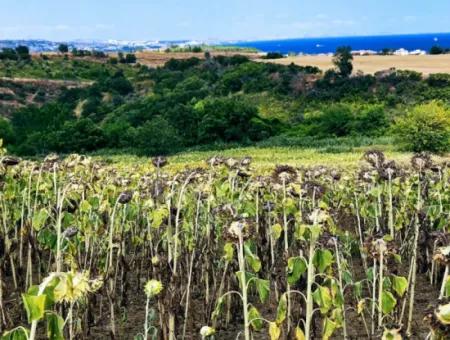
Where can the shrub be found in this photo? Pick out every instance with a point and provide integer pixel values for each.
(273, 55)
(425, 128)
(6, 131)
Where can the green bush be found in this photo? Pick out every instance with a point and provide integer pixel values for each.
(425, 128)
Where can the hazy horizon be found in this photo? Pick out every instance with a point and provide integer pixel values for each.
(218, 21)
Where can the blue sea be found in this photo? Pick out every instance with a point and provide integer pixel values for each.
(409, 42)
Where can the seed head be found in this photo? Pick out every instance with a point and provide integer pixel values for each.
(153, 288)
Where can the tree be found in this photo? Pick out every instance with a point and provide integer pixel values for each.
(425, 128)
(79, 135)
(130, 58)
(63, 48)
(23, 52)
(436, 50)
(229, 120)
(343, 60)
(157, 136)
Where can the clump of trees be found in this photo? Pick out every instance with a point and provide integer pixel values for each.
(63, 48)
(436, 49)
(19, 53)
(129, 58)
(273, 55)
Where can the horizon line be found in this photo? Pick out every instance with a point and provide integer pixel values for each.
(223, 40)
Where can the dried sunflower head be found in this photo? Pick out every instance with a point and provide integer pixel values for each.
(313, 189)
(10, 161)
(215, 161)
(231, 163)
(74, 286)
(335, 175)
(159, 161)
(284, 174)
(240, 229)
(421, 161)
(389, 170)
(442, 255)
(153, 288)
(125, 197)
(374, 158)
(246, 161)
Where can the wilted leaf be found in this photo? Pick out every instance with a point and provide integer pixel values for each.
(388, 302)
(39, 219)
(263, 288)
(400, 285)
(218, 308)
(85, 206)
(296, 267)
(35, 306)
(361, 306)
(276, 231)
(274, 331)
(55, 327)
(281, 309)
(322, 297)
(323, 259)
(329, 326)
(229, 251)
(252, 259)
(255, 319)
(158, 216)
(19, 333)
(299, 335)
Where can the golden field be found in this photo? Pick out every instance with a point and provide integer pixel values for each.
(425, 64)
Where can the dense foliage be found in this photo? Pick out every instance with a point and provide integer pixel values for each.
(425, 127)
(194, 102)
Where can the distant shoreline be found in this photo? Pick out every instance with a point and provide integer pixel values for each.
(308, 45)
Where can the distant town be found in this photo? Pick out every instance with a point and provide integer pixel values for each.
(38, 46)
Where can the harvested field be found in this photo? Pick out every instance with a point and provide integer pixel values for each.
(425, 64)
(155, 59)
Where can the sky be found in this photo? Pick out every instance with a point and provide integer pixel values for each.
(217, 20)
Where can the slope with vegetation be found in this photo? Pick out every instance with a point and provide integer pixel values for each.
(218, 101)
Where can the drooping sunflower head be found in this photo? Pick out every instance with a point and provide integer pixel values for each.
(159, 161)
(442, 255)
(74, 286)
(374, 158)
(389, 170)
(284, 174)
(10, 161)
(125, 197)
(239, 229)
(215, 161)
(246, 161)
(421, 161)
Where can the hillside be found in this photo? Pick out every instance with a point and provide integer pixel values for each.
(198, 101)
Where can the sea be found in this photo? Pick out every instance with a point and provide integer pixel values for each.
(409, 42)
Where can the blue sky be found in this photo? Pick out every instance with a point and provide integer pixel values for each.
(218, 19)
